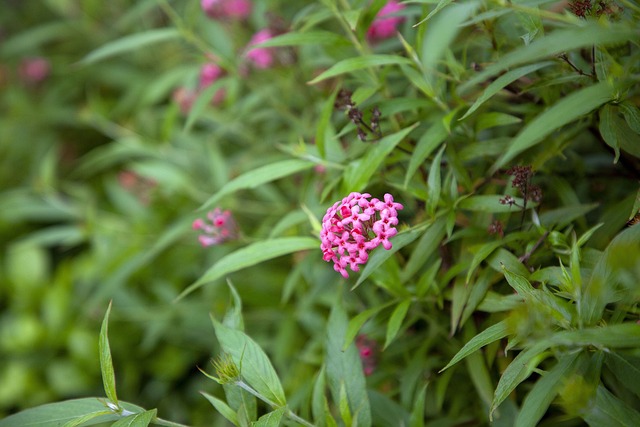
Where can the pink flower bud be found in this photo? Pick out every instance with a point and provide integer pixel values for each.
(384, 26)
(261, 57)
(34, 70)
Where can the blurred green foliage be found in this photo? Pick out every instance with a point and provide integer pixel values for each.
(111, 146)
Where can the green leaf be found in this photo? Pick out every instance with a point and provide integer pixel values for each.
(222, 407)
(142, 419)
(489, 335)
(434, 184)
(418, 414)
(318, 399)
(106, 363)
(355, 324)
(233, 318)
(129, 43)
(631, 114)
(272, 419)
(378, 257)
(259, 176)
(626, 369)
(324, 121)
(491, 203)
(395, 321)
(441, 5)
(554, 44)
(428, 243)
(543, 392)
(256, 368)
(250, 255)
(344, 367)
(343, 405)
(608, 127)
(623, 335)
(359, 63)
(429, 141)
(517, 371)
(359, 172)
(608, 410)
(60, 413)
(493, 119)
(502, 82)
(309, 38)
(561, 113)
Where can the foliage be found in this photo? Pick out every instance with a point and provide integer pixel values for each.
(508, 132)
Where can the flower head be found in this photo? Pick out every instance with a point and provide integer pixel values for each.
(221, 227)
(209, 74)
(356, 225)
(384, 26)
(261, 57)
(234, 9)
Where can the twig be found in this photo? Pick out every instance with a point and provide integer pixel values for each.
(524, 258)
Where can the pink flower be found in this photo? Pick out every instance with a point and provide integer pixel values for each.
(234, 9)
(356, 225)
(184, 98)
(384, 26)
(221, 227)
(261, 57)
(209, 74)
(367, 349)
(34, 70)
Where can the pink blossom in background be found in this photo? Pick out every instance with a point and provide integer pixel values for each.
(184, 98)
(384, 26)
(235, 9)
(220, 228)
(209, 74)
(34, 70)
(367, 350)
(261, 57)
(140, 186)
(355, 226)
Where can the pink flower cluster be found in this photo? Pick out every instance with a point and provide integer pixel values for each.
(367, 349)
(261, 57)
(34, 70)
(356, 225)
(220, 9)
(384, 26)
(221, 228)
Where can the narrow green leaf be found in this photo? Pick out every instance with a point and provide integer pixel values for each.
(271, 419)
(631, 115)
(482, 251)
(626, 369)
(324, 121)
(494, 119)
(479, 374)
(428, 142)
(309, 38)
(256, 368)
(129, 43)
(142, 419)
(343, 405)
(88, 418)
(428, 243)
(106, 363)
(395, 321)
(417, 413)
(608, 410)
(250, 255)
(355, 324)
(233, 318)
(318, 399)
(608, 128)
(623, 335)
(502, 82)
(65, 411)
(343, 367)
(378, 257)
(543, 392)
(517, 371)
(359, 63)
(259, 176)
(359, 172)
(223, 408)
(491, 203)
(434, 184)
(554, 44)
(441, 5)
(489, 335)
(202, 101)
(561, 113)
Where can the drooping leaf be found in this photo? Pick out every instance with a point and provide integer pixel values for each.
(255, 367)
(489, 335)
(429, 141)
(222, 407)
(259, 176)
(359, 63)
(252, 254)
(130, 43)
(395, 321)
(434, 184)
